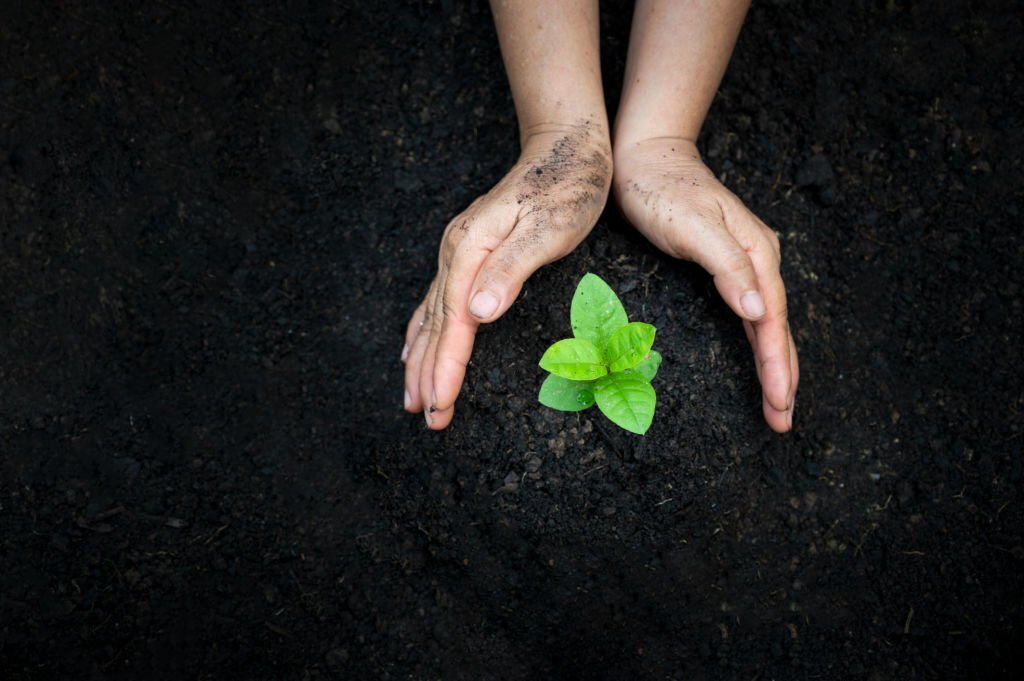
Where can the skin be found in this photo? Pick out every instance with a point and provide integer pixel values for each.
(539, 212)
(678, 52)
(551, 199)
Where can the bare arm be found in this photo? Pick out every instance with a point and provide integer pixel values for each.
(551, 55)
(678, 53)
(546, 204)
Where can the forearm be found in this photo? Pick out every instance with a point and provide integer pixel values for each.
(678, 52)
(551, 55)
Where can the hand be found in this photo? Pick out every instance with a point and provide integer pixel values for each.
(539, 212)
(668, 193)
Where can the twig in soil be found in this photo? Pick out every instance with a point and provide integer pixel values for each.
(216, 533)
(109, 513)
(1004, 549)
(213, 535)
(608, 439)
(831, 527)
(278, 630)
(166, 520)
(302, 592)
(863, 537)
(906, 625)
(594, 469)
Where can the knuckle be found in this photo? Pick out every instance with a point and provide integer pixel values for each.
(504, 265)
(450, 311)
(453, 358)
(455, 234)
(559, 220)
(527, 246)
(454, 256)
(431, 323)
(446, 254)
(738, 264)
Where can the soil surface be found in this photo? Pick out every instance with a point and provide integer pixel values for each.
(215, 223)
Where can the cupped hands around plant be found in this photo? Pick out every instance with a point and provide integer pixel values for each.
(539, 212)
(666, 191)
(608, 361)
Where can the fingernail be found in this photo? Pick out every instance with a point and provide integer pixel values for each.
(433, 401)
(483, 305)
(405, 352)
(752, 304)
(792, 408)
(408, 399)
(427, 417)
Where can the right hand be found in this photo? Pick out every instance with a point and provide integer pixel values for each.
(539, 212)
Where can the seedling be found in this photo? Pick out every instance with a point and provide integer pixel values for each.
(609, 361)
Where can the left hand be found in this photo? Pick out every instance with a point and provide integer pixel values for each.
(666, 191)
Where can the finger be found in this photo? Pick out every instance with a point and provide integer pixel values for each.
(779, 420)
(794, 378)
(773, 361)
(710, 243)
(776, 419)
(794, 369)
(426, 377)
(417, 350)
(450, 331)
(771, 331)
(503, 273)
(439, 419)
(458, 330)
(412, 329)
(773, 344)
(458, 327)
(435, 419)
(748, 327)
(768, 360)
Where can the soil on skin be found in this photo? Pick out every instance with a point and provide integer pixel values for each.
(215, 222)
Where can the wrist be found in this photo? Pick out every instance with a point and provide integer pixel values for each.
(583, 134)
(627, 147)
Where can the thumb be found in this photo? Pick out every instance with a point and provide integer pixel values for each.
(714, 248)
(736, 282)
(503, 273)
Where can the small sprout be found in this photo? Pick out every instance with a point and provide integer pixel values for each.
(608, 362)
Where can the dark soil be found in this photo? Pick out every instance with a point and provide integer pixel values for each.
(215, 223)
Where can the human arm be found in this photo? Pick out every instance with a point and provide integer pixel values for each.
(677, 56)
(541, 210)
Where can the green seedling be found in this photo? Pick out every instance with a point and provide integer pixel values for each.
(608, 361)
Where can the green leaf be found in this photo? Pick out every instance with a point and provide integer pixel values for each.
(565, 395)
(628, 345)
(648, 368)
(627, 399)
(596, 311)
(574, 358)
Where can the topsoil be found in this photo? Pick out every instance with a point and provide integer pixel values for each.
(215, 222)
